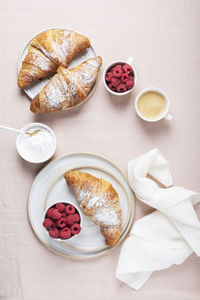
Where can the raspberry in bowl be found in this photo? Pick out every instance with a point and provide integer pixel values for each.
(63, 221)
(120, 77)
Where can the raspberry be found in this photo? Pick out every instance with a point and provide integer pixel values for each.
(54, 233)
(76, 218)
(61, 222)
(69, 219)
(69, 209)
(127, 68)
(49, 212)
(75, 228)
(64, 214)
(108, 76)
(60, 207)
(111, 87)
(118, 67)
(117, 72)
(129, 84)
(115, 82)
(112, 69)
(47, 223)
(65, 233)
(56, 214)
(124, 77)
(54, 224)
(121, 88)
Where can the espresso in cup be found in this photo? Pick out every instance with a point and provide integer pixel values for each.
(152, 104)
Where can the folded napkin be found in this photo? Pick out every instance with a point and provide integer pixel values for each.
(168, 235)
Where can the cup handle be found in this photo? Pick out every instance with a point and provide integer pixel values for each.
(168, 117)
(130, 60)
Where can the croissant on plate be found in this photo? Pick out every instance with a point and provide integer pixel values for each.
(49, 50)
(99, 201)
(67, 88)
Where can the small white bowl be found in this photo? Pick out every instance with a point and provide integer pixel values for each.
(129, 61)
(27, 156)
(81, 221)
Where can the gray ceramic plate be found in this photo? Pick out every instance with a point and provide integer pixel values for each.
(50, 187)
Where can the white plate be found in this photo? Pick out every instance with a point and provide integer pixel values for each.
(50, 187)
(33, 89)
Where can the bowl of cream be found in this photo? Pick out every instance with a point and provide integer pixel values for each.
(37, 148)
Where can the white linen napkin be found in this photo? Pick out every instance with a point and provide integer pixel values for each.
(168, 235)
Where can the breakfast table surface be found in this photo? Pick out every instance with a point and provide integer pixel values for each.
(163, 38)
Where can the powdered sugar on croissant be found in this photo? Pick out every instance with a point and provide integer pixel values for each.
(49, 50)
(67, 88)
(99, 201)
(60, 45)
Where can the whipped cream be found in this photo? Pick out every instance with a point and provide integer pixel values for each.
(37, 148)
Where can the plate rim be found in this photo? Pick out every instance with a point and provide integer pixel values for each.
(20, 63)
(126, 230)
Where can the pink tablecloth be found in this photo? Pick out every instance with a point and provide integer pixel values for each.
(163, 37)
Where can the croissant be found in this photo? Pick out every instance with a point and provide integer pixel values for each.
(67, 88)
(99, 201)
(49, 50)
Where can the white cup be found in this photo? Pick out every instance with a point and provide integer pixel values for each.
(164, 115)
(128, 61)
